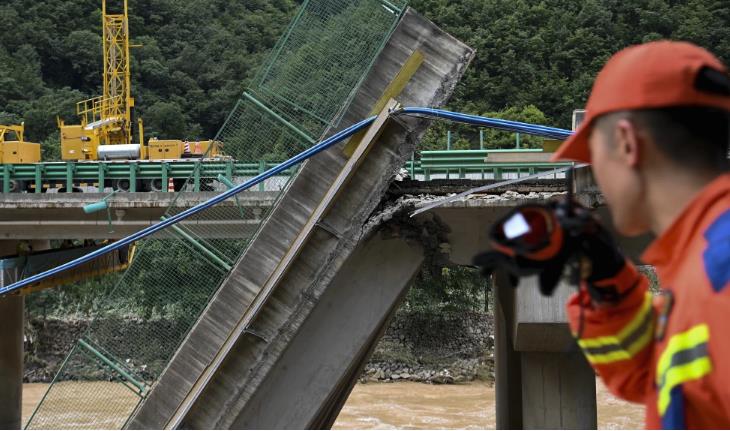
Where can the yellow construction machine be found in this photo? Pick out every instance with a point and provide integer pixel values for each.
(105, 129)
(14, 149)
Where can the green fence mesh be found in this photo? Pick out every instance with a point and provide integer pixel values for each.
(300, 93)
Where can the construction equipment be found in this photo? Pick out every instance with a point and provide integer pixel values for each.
(16, 150)
(105, 129)
(107, 119)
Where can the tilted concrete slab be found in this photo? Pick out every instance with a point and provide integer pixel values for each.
(314, 375)
(230, 362)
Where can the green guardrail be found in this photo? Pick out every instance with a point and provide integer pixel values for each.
(462, 163)
(453, 164)
(71, 174)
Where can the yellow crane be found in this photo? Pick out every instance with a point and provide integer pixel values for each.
(105, 131)
(106, 120)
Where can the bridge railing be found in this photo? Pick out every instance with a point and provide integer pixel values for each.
(212, 175)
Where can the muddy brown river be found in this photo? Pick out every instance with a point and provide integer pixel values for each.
(408, 405)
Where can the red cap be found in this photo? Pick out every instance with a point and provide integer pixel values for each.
(653, 75)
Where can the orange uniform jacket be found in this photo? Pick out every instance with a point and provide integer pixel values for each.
(670, 352)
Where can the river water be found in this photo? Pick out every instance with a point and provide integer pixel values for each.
(407, 405)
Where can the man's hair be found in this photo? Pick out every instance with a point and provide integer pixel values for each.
(695, 137)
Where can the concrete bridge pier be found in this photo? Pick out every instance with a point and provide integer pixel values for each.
(12, 310)
(543, 381)
(11, 361)
(12, 319)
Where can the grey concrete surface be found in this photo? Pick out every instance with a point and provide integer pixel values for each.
(314, 370)
(12, 310)
(558, 391)
(11, 361)
(234, 349)
(507, 361)
(61, 216)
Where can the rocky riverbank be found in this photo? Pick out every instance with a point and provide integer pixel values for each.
(460, 371)
(438, 348)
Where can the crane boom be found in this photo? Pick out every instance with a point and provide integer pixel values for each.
(106, 119)
(117, 101)
(105, 129)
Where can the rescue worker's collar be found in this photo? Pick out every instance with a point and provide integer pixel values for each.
(673, 242)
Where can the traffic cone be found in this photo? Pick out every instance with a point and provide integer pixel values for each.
(170, 185)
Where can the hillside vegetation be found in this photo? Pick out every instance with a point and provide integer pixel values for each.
(535, 59)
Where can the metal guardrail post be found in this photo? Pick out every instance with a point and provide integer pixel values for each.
(101, 178)
(262, 169)
(70, 177)
(165, 177)
(196, 177)
(38, 178)
(133, 177)
(229, 169)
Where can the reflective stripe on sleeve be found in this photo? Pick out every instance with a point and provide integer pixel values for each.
(685, 358)
(624, 345)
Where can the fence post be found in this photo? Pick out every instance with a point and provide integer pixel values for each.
(69, 177)
(38, 178)
(165, 178)
(262, 169)
(133, 177)
(196, 177)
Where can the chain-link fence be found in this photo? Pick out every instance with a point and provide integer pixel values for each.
(299, 94)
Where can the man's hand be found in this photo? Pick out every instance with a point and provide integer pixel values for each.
(542, 239)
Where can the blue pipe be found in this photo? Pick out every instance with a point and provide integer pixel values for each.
(334, 139)
(510, 126)
(493, 123)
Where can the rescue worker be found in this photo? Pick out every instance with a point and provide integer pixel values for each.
(656, 134)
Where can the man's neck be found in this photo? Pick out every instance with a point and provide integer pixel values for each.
(670, 192)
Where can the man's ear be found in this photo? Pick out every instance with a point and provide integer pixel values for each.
(627, 142)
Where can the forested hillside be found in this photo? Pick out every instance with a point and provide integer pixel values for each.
(535, 60)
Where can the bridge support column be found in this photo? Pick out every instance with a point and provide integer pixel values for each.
(11, 362)
(11, 347)
(542, 379)
(12, 318)
(508, 377)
